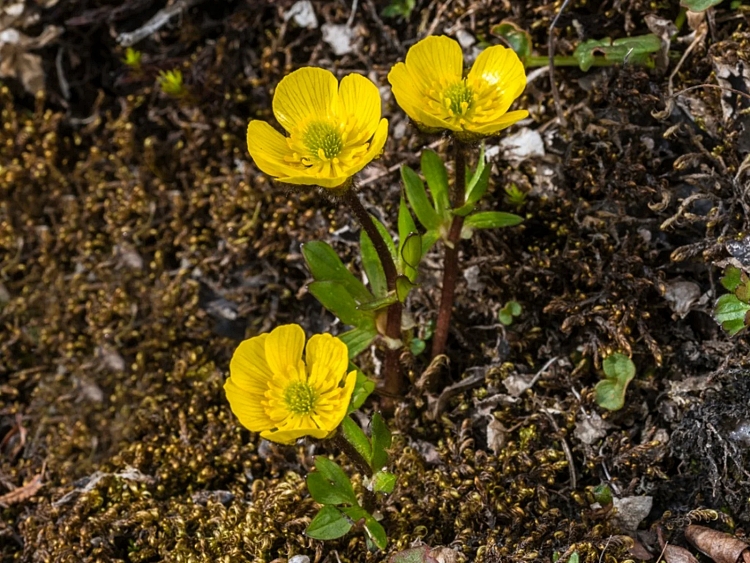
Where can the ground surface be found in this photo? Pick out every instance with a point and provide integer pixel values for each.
(138, 244)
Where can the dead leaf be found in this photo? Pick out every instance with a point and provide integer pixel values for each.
(15, 60)
(721, 547)
(675, 554)
(23, 493)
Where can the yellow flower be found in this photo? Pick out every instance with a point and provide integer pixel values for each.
(334, 131)
(430, 87)
(274, 392)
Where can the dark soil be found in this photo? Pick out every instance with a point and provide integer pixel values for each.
(139, 244)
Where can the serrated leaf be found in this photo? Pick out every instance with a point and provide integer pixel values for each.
(383, 482)
(492, 220)
(417, 196)
(403, 286)
(436, 176)
(336, 477)
(372, 266)
(359, 339)
(731, 313)
(336, 299)
(363, 387)
(329, 523)
(325, 265)
(357, 438)
(381, 441)
(517, 39)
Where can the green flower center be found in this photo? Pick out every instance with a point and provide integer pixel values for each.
(323, 139)
(458, 97)
(300, 398)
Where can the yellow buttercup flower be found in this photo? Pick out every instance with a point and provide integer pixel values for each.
(430, 87)
(274, 392)
(334, 131)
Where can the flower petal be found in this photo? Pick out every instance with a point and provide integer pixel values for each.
(284, 347)
(434, 59)
(247, 407)
(289, 436)
(411, 97)
(500, 68)
(248, 368)
(327, 358)
(305, 93)
(361, 103)
(502, 123)
(268, 148)
(376, 144)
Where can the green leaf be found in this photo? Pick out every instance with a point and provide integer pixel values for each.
(363, 387)
(411, 254)
(326, 265)
(328, 524)
(383, 482)
(381, 441)
(359, 339)
(436, 175)
(372, 266)
(603, 495)
(403, 286)
(407, 230)
(417, 196)
(514, 307)
(336, 299)
(477, 185)
(336, 477)
(386, 238)
(731, 313)
(732, 278)
(699, 5)
(505, 317)
(492, 220)
(378, 304)
(357, 438)
(374, 530)
(517, 39)
(631, 49)
(429, 239)
(610, 392)
(323, 492)
(417, 346)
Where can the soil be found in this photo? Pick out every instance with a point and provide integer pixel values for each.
(139, 244)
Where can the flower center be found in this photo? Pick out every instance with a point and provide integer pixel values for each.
(458, 97)
(300, 397)
(323, 139)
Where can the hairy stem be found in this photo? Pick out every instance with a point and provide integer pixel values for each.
(393, 382)
(450, 261)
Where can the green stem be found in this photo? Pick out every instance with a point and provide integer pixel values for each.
(393, 382)
(450, 262)
(561, 60)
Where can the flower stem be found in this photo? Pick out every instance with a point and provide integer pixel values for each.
(393, 382)
(450, 261)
